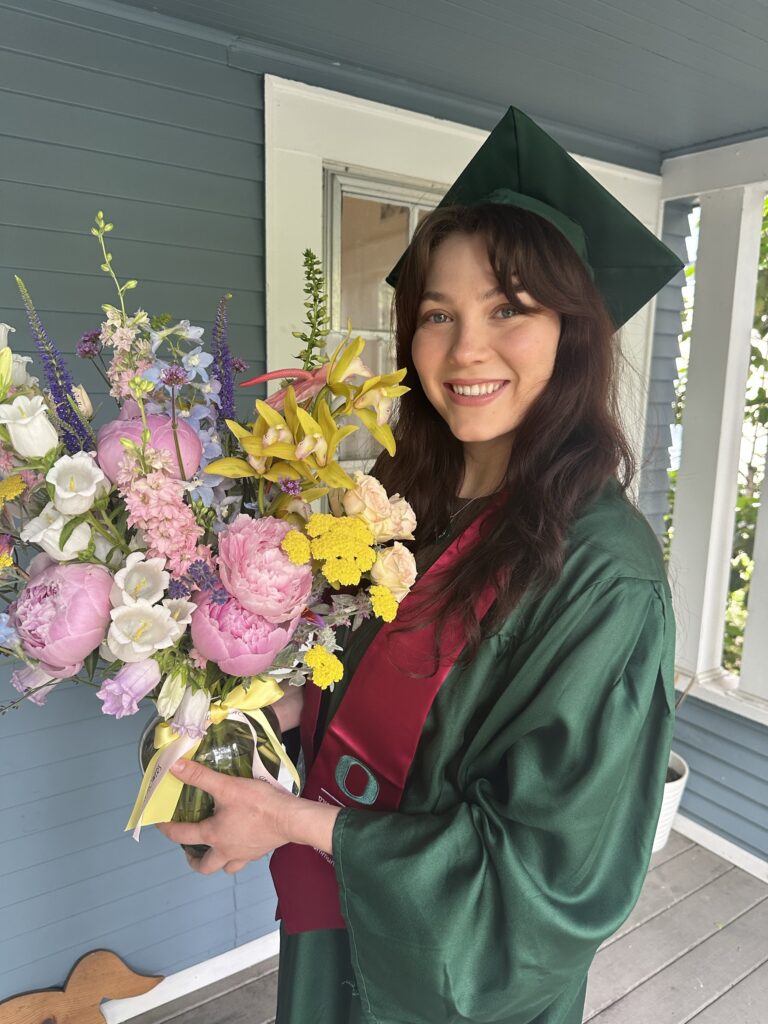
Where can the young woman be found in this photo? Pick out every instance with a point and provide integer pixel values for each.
(483, 786)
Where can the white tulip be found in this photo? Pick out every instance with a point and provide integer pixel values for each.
(77, 482)
(138, 630)
(170, 695)
(45, 531)
(32, 433)
(140, 579)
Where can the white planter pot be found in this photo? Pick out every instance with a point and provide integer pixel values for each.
(673, 793)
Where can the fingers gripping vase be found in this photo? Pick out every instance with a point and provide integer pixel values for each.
(226, 747)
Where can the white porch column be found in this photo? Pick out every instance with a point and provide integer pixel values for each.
(754, 658)
(726, 277)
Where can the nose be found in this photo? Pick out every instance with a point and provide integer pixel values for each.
(468, 344)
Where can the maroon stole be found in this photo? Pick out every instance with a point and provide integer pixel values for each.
(367, 751)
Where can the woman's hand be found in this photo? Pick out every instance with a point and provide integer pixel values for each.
(251, 819)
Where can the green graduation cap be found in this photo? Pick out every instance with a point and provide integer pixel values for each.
(520, 165)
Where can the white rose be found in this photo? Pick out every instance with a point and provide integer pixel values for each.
(32, 433)
(369, 501)
(140, 579)
(395, 568)
(45, 531)
(403, 519)
(170, 695)
(77, 482)
(138, 630)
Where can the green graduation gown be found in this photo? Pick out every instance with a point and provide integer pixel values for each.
(526, 824)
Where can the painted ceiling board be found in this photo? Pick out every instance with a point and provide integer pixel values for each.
(666, 75)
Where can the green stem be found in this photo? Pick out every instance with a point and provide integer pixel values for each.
(261, 495)
(111, 535)
(176, 436)
(112, 275)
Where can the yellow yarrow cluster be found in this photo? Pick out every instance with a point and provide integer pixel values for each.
(383, 602)
(296, 546)
(11, 488)
(344, 545)
(326, 667)
(5, 561)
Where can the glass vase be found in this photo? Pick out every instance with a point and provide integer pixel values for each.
(226, 747)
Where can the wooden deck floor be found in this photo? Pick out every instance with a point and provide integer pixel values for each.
(694, 951)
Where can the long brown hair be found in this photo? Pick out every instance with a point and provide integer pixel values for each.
(567, 446)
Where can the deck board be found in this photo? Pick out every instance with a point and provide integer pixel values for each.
(693, 951)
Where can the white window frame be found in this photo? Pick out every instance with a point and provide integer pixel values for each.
(343, 180)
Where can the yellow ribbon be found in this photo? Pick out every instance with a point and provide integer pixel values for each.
(160, 791)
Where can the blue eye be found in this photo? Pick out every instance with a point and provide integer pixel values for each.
(433, 318)
(507, 312)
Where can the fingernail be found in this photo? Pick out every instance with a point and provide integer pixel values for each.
(179, 767)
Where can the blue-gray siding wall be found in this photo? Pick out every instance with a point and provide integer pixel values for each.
(654, 482)
(158, 131)
(728, 787)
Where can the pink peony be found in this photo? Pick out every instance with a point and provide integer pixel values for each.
(62, 615)
(110, 452)
(122, 693)
(255, 569)
(240, 642)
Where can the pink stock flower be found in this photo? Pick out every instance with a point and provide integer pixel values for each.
(62, 615)
(110, 452)
(255, 569)
(240, 642)
(156, 506)
(32, 682)
(122, 693)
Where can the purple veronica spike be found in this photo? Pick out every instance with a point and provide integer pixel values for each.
(77, 435)
(223, 369)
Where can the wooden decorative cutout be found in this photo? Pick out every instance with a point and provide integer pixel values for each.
(98, 975)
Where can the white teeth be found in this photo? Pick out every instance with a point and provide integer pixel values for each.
(475, 389)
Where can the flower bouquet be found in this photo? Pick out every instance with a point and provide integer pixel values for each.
(173, 553)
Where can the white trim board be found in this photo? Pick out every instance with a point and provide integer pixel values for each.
(306, 127)
(722, 847)
(193, 978)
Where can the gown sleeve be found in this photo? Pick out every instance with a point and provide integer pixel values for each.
(492, 909)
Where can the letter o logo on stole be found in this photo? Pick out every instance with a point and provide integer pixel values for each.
(343, 768)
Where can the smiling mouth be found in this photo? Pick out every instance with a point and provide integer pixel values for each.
(476, 389)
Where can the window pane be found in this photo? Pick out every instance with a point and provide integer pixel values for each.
(373, 237)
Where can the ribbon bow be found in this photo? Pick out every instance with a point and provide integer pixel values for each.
(160, 791)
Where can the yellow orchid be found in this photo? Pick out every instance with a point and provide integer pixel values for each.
(372, 404)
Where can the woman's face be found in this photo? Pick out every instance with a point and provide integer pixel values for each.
(480, 362)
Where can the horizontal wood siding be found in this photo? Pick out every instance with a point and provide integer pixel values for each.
(654, 482)
(728, 789)
(154, 128)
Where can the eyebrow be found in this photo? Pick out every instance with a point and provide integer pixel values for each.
(441, 297)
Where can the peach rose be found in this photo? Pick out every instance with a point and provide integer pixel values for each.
(395, 568)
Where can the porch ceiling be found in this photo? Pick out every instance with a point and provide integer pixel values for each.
(659, 77)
